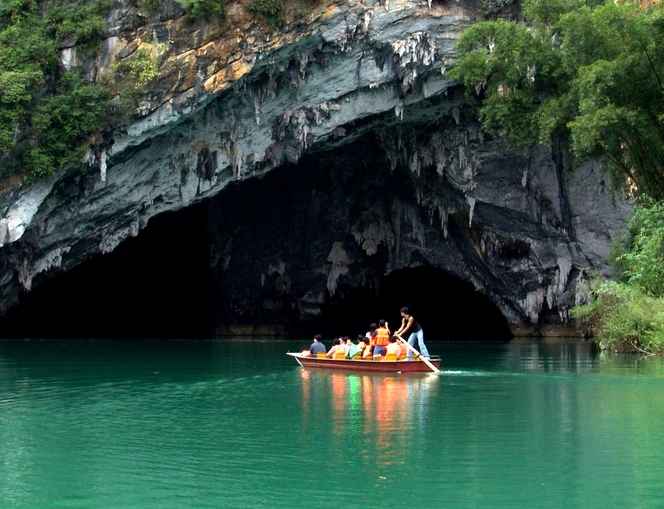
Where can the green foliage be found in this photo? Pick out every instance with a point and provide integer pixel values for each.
(47, 114)
(629, 314)
(273, 11)
(139, 70)
(639, 257)
(624, 319)
(153, 5)
(195, 9)
(489, 6)
(65, 120)
(79, 21)
(581, 71)
(204, 9)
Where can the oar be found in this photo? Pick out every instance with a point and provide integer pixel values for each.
(426, 361)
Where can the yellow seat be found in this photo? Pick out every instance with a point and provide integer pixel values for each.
(339, 355)
(321, 355)
(391, 357)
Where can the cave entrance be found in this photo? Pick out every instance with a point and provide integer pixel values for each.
(448, 308)
(156, 285)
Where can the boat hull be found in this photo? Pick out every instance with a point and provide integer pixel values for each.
(365, 366)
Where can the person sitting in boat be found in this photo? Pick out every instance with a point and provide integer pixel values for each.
(393, 350)
(382, 339)
(346, 342)
(372, 335)
(317, 346)
(337, 348)
(366, 350)
(353, 349)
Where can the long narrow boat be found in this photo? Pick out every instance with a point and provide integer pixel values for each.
(367, 366)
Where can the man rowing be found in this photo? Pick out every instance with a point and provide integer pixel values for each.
(410, 325)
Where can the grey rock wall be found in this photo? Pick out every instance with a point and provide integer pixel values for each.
(523, 234)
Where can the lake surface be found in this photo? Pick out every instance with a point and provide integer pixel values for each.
(213, 424)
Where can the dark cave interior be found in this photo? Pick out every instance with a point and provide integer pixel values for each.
(447, 308)
(160, 285)
(157, 285)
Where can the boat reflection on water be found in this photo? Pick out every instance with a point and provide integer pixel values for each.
(381, 413)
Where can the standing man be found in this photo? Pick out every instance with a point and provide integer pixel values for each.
(410, 325)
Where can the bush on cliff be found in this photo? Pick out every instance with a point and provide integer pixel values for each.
(195, 9)
(273, 11)
(47, 113)
(628, 314)
(623, 318)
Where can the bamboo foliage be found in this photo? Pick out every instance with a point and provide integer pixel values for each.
(585, 72)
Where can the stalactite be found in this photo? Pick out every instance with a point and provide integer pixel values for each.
(340, 261)
(471, 210)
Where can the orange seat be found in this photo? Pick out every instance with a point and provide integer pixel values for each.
(339, 355)
(321, 355)
(390, 357)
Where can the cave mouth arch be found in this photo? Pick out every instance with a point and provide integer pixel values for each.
(448, 308)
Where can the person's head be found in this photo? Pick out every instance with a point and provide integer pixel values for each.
(360, 338)
(404, 311)
(366, 340)
(347, 340)
(372, 326)
(318, 337)
(336, 342)
(381, 323)
(393, 339)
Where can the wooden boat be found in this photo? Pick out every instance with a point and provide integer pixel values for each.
(366, 366)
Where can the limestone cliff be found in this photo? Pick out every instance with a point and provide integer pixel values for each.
(235, 100)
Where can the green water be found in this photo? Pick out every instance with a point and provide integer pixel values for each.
(198, 424)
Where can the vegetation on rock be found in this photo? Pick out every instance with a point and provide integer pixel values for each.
(195, 9)
(46, 111)
(628, 314)
(204, 9)
(586, 75)
(273, 11)
(51, 111)
(587, 78)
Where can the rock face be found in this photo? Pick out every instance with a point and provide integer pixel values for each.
(359, 92)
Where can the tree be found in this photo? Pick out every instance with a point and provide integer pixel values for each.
(585, 75)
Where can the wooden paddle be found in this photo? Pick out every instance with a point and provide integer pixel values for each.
(426, 361)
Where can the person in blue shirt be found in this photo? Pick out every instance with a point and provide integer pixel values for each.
(317, 346)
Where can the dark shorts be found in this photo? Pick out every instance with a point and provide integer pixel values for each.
(379, 350)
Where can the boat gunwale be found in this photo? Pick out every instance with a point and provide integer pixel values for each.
(365, 365)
